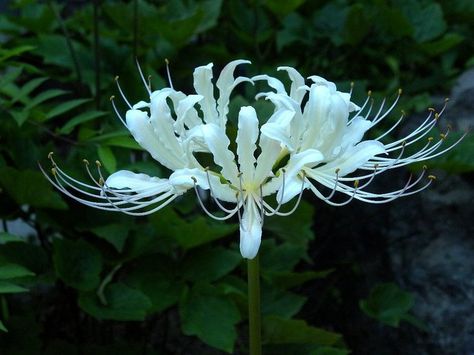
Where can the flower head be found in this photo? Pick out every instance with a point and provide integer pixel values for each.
(313, 140)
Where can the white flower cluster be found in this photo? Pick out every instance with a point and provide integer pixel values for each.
(313, 140)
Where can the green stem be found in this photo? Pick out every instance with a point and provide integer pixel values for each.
(253, 271)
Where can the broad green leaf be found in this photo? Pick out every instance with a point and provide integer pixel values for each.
(189, 233)
(28, 187)
(116, 234)
(288, 279)
(426, 18)
(11, 271)
(158, 280)
(33, 257)
(79, 119)
(77, 263)
(276, 330)
(445, 43)
(210, 317)
(27, 89)
(281, 303)
(123, 142)
(283, 8)
(107, 157)
(65, 107)
(123, 304)
(281, 257)
(387, 303)
(209, 264)
(8, 287)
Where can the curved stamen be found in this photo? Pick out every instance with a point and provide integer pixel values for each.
(275, 211)
(121, 92)
(117, 112)
(142, 77)
(216, 200)
(168, 73)
(201, 203)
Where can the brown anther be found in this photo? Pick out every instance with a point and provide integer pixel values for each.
(50, 155)
(356, 184)
(194, 179)
(112, 98)
(239, 174)
(425, 167)
(99, 165)
(85, 161)
(432, 177)
(337, 171)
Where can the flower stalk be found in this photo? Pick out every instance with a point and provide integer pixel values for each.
(253, 277)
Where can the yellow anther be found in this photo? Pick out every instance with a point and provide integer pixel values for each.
(404, 113)
(54, 171)
(442, 136)
(85, 161)
(436, 115)
(369, 92)
(206, 168)
(99, 165)
(356, 184)
(352, 84)
(116, 78)
(167, 61)
(425, 167)
(50, 155)
(194, 179)
(432, 177)
(101, 182)
(446, 99)
(376, 166)
(450, 128)
(112, 98)
(430, 139)
(431, 109)
(400, 91)
(337, 171)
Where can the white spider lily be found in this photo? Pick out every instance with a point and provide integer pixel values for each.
(296, 147)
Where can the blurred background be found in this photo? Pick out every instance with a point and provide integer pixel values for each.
(361, 279)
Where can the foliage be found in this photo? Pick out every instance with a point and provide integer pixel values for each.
(176, 269)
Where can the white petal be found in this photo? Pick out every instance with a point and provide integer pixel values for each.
(272, 82)
(297, 82)
(270, 151)
(186, 114)
(226, 83)
(218, 144)
(124, 179)
(315, 114)
(143, 132)
(355, 131)
(250, 230)
(353, 158)
(182, 180)
(204, 86)
(247, 136)
(279, 128)
(318, 80)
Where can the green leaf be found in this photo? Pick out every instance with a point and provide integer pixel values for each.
(77, 263)
(426, 19)
(11, 271)
(107, 157)
(27, 89)
(65, 107)
(2, 327)
(116, 234)
(44, 96)
(209, 264)
(123, 304)
(210, 317)
(123, 142)
(284, 304)
(9, 238)
(288, 279)
(387, 303)
(8, 53)
(281, 257)
(444, 44)
(28, 187)
(8, 287)
(159, 281)
(283, 8)
(189, 233)
(276, 330)
(79, 119)
(357, 24)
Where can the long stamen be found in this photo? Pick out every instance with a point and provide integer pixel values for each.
(121, 92)
(201, 203)
(142, 77)
(168, 73)
(117, 112)
(216, 200)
